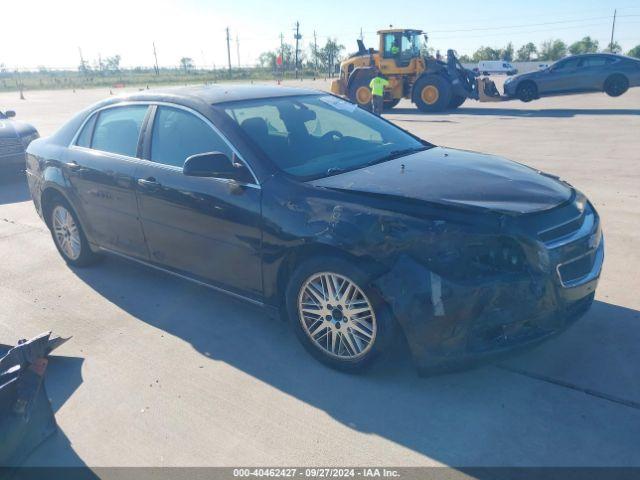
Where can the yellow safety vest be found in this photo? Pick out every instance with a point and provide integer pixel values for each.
(377, 86)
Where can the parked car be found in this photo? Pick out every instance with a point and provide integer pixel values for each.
(14, 138)
(305, 204)
(595, 72)
(488, 67)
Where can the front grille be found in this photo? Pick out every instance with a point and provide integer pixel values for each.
(558, 232)
(10, 146)
(576, 269)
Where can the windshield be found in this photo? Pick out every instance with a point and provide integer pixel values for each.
(315, 136)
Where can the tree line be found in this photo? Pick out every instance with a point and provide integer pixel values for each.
(316, 58)
(549, 50)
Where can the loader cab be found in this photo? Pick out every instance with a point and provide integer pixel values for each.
(399, 47)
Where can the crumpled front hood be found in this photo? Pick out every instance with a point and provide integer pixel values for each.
(459, 178)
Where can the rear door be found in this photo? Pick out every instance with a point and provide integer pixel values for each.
(101, 165)
(209, 228)
(595, 70)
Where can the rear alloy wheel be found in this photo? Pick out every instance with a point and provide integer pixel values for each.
(432, 93)
(69, 237)
(527, 91)
(616, 85)
(336, 315)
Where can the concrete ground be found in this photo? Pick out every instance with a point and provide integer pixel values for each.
(162, 372)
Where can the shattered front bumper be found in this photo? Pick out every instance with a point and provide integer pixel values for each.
(451, 324)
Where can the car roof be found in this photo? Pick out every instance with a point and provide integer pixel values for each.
(596, 54)
(213, 94)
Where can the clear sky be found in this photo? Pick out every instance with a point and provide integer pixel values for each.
(49, 32)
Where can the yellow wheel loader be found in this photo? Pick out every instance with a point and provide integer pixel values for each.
(433, 85)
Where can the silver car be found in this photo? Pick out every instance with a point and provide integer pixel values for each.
(591, 72)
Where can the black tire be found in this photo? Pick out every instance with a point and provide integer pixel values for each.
(432, 93)
(486, 74)
(389, 104)
(384, 323)
(616, 85)
(456, 101)
(356, 91)
(527, 91)
(86, 256)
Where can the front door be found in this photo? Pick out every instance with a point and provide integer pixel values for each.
(562, 77)
(209, 228)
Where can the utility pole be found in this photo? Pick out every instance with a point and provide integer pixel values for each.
(315, 52)
(155, 55)
(238, 50)
(297, 37)
(228, 52)
(282, 55)
(613, 28)
(83, 67)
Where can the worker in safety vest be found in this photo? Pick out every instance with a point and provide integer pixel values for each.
(377, 85)
(394, 49)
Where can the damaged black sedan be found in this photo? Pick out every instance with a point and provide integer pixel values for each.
(352, 228)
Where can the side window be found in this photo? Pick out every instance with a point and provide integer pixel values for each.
(178, 134)
(84, 139)
(117, 130)
(567, 65)
(595, 62)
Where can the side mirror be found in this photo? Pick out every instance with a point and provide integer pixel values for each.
(9, 114)
(215, 164)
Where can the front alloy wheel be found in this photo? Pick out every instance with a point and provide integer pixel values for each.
(337, 316)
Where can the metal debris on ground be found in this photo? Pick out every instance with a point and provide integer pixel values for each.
(26, 416)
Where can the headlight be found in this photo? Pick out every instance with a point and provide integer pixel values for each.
(483, 258)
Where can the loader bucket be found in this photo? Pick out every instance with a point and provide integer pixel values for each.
(487, 91)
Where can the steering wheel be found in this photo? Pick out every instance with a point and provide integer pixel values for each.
(332, 134)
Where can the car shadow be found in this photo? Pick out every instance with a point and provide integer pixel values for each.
(517, 112)
(13, 187)
(485, 416)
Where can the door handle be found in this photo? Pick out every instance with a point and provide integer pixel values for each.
(149, 182)
(72, 166)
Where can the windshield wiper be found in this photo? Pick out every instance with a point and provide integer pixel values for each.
(398, 153)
